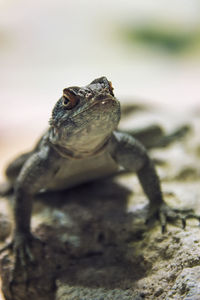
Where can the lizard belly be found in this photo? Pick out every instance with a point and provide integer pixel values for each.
(73, 172)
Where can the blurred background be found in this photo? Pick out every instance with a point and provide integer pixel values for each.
(149, 49)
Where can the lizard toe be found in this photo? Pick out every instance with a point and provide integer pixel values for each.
(166, 214)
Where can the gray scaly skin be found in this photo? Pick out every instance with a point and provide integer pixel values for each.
(81, 144)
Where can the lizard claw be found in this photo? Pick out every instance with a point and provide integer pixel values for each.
(21, 246)
(22, 249)
(165, 214)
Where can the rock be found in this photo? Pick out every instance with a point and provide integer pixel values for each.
(66, 292)
(187, 285)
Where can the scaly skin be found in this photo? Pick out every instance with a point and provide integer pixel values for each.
(81, 144)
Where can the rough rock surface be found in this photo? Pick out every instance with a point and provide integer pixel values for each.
(95, 244)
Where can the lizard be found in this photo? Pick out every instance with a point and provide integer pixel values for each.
(82, 144)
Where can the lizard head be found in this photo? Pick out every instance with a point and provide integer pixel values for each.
(84, 117)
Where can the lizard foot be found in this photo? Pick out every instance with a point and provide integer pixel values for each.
(21, 246)
(165, 213)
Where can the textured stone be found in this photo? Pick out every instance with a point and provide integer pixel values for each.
(187, 285)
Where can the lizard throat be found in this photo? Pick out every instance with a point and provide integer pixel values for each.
(72, 154)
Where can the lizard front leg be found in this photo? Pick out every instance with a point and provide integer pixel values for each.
(38, 170)
(131, 154)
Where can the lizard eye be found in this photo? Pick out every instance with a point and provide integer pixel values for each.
(69, 99)
(66, 101)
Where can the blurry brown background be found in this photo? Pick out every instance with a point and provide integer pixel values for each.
(149, 49)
